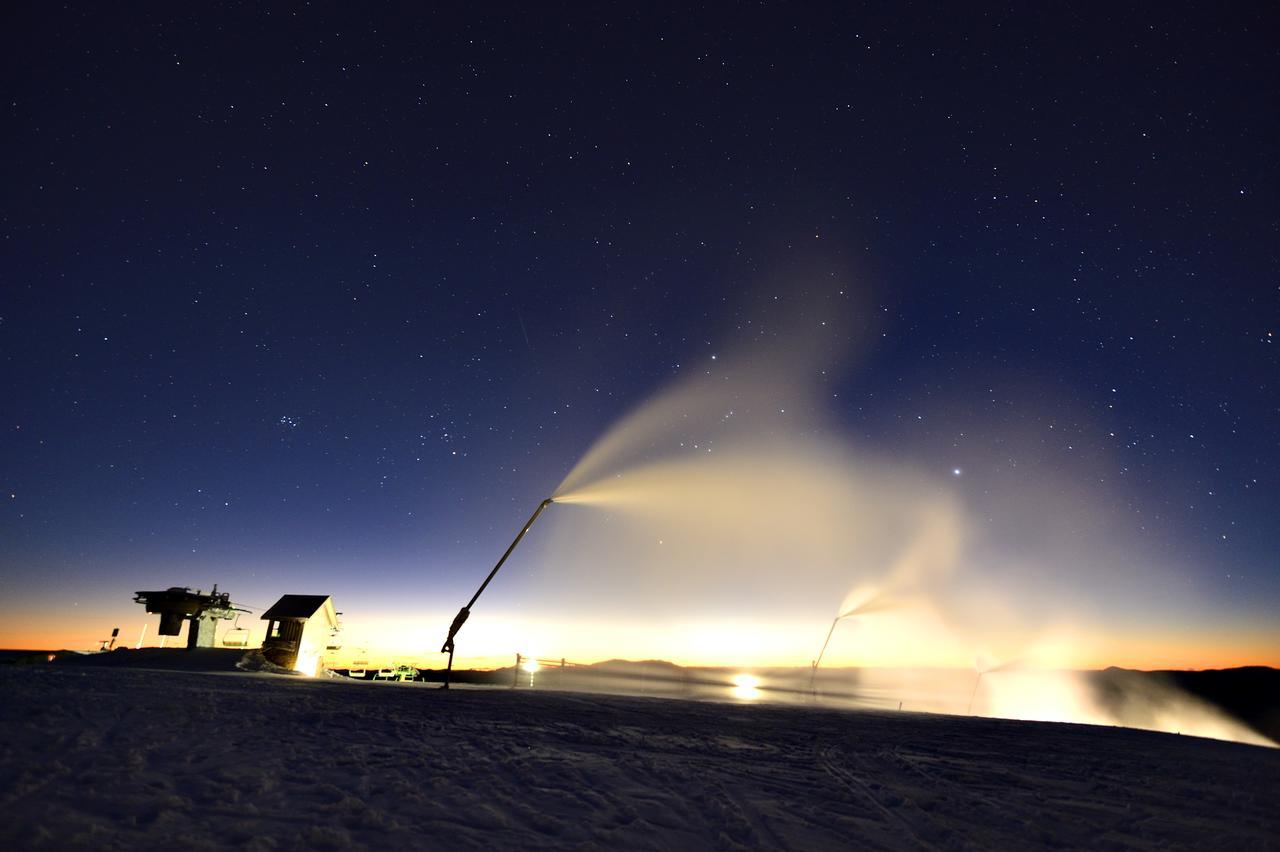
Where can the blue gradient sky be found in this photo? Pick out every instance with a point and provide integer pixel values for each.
(322, 300)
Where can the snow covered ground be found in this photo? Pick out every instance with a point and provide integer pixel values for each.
(124, 758)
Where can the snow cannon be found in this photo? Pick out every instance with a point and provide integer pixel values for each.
(461, 618)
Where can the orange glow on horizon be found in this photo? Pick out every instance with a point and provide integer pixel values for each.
(492, 641)
(901, 637)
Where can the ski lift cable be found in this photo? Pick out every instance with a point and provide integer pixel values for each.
(250, 606)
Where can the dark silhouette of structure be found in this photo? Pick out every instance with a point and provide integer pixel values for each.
(178, 604)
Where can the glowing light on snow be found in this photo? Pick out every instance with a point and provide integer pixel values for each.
(745, 687)
(308, 664)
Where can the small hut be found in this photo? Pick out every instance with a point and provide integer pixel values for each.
(300, 628)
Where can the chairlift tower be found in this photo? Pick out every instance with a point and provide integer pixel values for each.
(178, 604)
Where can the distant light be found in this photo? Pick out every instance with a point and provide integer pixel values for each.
(745, 687)
(955, 471)
(530, 666)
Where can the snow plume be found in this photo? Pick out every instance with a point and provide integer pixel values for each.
(732, 494)
(728, 520)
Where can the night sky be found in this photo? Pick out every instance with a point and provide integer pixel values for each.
(319, 299)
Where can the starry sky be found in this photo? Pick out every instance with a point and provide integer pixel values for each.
(322, 298)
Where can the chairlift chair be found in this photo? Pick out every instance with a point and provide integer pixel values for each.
(237, 636)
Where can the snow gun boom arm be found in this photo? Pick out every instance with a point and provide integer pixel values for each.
(461, 617)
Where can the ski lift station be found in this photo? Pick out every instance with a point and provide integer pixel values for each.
(179, 605)
(300, 629)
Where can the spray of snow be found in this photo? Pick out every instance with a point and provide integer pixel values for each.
(729, 510)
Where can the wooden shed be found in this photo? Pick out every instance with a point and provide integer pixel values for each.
(300, 628)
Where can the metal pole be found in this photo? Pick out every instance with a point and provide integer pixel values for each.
(814, 673)
(536, 512)
(447, 672)
(461, 618)
(977, 682)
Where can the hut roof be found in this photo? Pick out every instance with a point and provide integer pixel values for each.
(297, 606)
